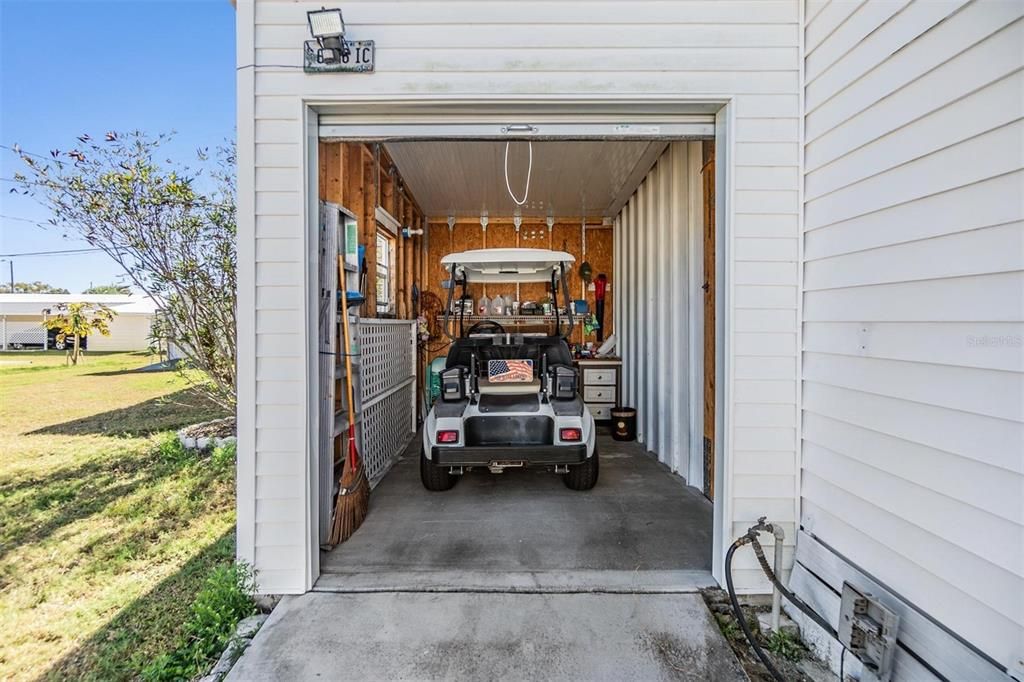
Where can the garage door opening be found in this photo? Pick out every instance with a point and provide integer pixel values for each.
(638, 217)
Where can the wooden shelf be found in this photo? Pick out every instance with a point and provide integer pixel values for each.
(509, 319)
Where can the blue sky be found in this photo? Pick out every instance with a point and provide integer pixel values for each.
(68, 68)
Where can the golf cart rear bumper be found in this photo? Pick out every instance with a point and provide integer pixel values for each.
(529, 455)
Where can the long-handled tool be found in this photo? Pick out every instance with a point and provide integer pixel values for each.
(600, 284)
(353, 499)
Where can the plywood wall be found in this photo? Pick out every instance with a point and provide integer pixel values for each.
(566, 234)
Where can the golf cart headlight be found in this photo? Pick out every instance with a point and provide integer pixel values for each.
(565, 383)
(453, 384)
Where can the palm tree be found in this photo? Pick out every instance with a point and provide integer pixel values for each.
(78, 320)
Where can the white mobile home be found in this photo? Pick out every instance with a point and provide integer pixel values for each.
(22, 317)
(810, 219)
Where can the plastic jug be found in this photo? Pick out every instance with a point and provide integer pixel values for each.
(484, 306)
(498, 305)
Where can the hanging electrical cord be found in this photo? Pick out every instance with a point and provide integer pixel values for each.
(431, 310)
(529, 170)
(750, 538)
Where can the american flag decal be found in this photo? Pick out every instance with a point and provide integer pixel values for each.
(510, 370)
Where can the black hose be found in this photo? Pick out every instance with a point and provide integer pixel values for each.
(751, 539)
(793, 599)
(739, 613)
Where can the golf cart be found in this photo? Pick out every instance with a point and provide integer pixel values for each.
(508, 400)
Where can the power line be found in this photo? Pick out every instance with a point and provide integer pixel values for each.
(19, 150)
(20, 220)
(58, 252)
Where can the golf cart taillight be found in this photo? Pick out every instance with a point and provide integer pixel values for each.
(447, 436)
(453, 385)
(572, 434)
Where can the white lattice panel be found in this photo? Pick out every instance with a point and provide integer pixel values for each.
(386, 355)
(386, 429)
(387, 385)
(25, 332)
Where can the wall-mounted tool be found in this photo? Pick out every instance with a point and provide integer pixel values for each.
(600, 285)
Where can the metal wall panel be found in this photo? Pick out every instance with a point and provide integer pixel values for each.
(654, 234)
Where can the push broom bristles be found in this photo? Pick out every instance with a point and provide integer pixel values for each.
(353, 499)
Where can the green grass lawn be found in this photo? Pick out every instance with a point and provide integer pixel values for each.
(107, 529)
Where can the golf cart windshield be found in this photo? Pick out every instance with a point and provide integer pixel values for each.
(510, 266)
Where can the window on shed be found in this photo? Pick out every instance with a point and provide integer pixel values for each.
(385, 270)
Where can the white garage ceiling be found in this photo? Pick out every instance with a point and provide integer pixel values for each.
(569, 178)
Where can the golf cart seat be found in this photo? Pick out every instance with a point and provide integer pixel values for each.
(554, 348)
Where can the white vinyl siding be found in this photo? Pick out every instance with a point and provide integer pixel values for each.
(913, 304)
(127, 332)
(443, 50)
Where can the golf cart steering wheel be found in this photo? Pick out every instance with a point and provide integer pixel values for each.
(485, 327)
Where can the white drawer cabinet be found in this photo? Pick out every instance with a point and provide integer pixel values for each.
(598, 394)
(604, 376)
(600, 386)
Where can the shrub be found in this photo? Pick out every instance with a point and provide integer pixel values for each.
(222, 459)
(225, 599)
(171, 451)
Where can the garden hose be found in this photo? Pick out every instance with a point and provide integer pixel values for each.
(739, 613)
(750, 538)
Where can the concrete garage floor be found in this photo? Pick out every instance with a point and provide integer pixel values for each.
(641, 529)
(510, 577)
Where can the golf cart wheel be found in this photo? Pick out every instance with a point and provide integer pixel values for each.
(583, 476)
(434, 477)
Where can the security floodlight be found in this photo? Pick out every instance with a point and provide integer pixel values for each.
(326, 23)
(328, 27)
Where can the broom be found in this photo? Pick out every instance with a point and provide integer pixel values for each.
(353, 499)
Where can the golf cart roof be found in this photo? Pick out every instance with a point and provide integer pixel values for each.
(508, 265)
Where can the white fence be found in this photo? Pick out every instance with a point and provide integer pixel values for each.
(17, 334)
(385, 392)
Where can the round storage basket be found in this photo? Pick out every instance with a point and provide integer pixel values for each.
(624, 423)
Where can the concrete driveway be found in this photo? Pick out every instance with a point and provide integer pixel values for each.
(467, 636)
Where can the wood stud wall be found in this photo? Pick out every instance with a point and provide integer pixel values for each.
(349, 177)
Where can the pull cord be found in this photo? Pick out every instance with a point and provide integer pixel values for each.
(529, 170)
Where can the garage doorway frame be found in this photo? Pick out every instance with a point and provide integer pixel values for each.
(371, 118)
